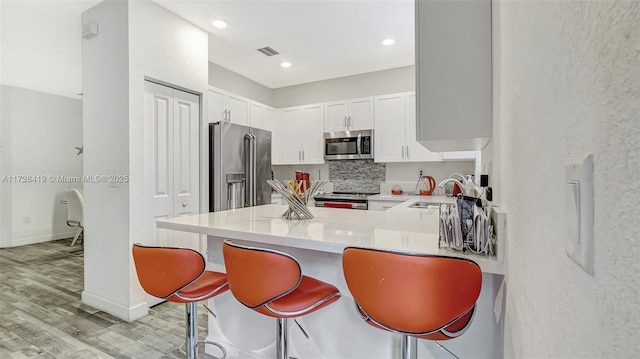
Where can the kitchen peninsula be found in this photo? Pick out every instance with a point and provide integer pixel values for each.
(336, 331)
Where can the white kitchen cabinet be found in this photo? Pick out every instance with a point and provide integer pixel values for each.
(260, 115)
(225, 106)
(256, 114)
(453, 74)
(354, 114)
(271, 121)
(460, 155)
(395, 130)
(415, 151)
(302, 134)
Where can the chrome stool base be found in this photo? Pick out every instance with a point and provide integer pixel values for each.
(222, 349)
(191, 344)
(409, 347)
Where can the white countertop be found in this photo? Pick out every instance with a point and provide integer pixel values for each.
(407, 197)
(399, 228)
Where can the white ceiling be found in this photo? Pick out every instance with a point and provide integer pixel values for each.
(41, 47)
(322, 39)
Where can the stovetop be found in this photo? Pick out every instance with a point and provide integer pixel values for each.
(345, 195)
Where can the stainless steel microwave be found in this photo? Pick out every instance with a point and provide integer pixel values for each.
(348, 145)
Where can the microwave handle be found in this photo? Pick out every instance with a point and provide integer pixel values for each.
(359, 144)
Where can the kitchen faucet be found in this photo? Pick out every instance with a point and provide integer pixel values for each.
(463, 188)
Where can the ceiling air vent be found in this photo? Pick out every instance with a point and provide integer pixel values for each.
(268, 51)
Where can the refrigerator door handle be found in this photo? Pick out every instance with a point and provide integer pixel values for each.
(250, 169)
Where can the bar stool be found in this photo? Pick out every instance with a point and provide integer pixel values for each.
(417, 296)
(271, 283)
(178, 275)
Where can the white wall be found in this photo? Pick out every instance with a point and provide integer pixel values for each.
(5, 189)
(225, 79)
(401, 79)
(567, 83)
(5, 168)
(168, 48)
(137, 40)
(40, 132)
(105, 64)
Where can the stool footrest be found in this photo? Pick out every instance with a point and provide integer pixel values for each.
(182, 347)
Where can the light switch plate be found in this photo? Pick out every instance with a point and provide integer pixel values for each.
(578, 189)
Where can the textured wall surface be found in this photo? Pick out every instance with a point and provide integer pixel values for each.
(567, 83)
(356, 176)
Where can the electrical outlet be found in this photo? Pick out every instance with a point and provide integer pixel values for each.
(420, 173)
(27, 219)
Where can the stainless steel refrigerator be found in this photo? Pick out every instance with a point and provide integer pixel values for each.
(239, 166)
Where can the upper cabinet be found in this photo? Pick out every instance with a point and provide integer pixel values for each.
(271, 121)
(395, 121)
(225, 106)
(453, 74)
(260, 115)
(355, 114)
(302, 134)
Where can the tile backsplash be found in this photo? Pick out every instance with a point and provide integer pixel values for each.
(356, 175)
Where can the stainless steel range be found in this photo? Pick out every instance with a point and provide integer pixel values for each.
(349, 200)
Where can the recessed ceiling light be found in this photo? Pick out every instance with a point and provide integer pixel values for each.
(387, 42)
(285, 64)
(219, 24)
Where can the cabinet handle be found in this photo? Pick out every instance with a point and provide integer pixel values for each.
(350, 123)
(402, 151)
(229, 115)
(303, 155)
(407, 151)
(299, 155)
(345, 122)
(184, 204)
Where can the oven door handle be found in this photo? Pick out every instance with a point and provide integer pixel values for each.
(338, 205)
(359, 144)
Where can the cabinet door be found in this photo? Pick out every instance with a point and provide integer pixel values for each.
(215, 105)
(453, 74)
(389, 133)
(415, 152)
(313, 134)
(360, 114)
(256, 115)
(238, 108)
(291, 135)
(186, 163)
(336, 116)
(271, 122)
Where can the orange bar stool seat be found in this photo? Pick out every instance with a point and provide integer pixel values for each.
(271, 282)
(179, 275)
(417, 296)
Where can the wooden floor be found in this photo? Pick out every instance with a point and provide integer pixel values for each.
(41, 315)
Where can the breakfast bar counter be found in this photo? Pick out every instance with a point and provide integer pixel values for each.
(336, 331)
(331, 230)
